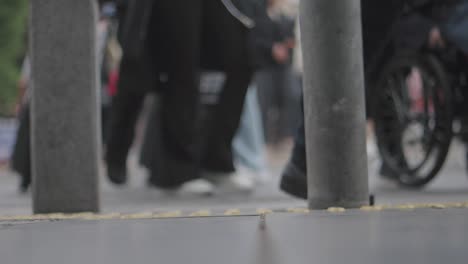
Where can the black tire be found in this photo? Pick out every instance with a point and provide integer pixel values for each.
(396, 114)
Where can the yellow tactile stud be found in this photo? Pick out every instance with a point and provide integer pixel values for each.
(375, 208)
(77, 216)
(232, 212)
(405, 207)
(144, 215)
(52, 216)
(454, 205)
(109, 216)
(169, 214)
(9, 218)
(336, 209)
(201, 213)
(33, 217)
(263, 211)
(85, 214)
(438, 206)
(298, 210)
(36, 217)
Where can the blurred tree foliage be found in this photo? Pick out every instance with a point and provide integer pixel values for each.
(13, 19)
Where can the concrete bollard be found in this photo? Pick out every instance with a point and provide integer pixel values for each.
(64, 113)
(334, 103)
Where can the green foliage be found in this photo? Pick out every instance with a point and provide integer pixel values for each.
(13, 18)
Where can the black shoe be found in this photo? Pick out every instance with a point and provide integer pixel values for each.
(388, 173)
(294, 181)
(24, 185)
(25, 180)
(117, 174)
(153, 182)
(466, 157)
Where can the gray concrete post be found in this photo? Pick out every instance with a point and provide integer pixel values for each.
(64, 113)
(334, 103)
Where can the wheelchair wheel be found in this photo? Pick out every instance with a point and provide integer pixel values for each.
(413, 117)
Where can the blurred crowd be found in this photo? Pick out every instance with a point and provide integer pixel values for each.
(220, 78)
(226, 82)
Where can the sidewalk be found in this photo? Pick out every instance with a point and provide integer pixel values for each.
(230, 229)
(422, 236)
(137, 197)
(450, 186)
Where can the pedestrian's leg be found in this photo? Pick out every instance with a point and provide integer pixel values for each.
(294, 177)
(125, 109)
(249, 144)
(264, 84)
(21, 156)
(288, 116)
(151, 156)
(180, 25)
(231, 36)
(281, 89)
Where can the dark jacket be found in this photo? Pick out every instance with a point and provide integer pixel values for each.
(413, 27)
(380, 17)
(136, 16)
(266, 33)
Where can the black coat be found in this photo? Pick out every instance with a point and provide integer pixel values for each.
(380, 17)
(266, 33)
(136, 14)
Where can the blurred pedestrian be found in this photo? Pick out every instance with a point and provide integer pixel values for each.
(277, 86)
(108, 54)
(21, 156)
(178, 39)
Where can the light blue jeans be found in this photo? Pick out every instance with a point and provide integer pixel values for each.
(249, 143)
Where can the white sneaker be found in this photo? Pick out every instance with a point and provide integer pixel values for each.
(259, 177)
(198, 187)
(372, 151)
(231, 182)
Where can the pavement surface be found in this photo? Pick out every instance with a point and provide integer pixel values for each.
(451, 185)
(139, 224)
(423, 236)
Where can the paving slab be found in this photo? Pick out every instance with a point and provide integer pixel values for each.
(393, 236)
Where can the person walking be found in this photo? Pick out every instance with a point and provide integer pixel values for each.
(175, 39)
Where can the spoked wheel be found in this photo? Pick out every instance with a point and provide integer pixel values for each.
(413, 118)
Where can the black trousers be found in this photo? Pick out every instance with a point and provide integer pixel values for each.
(184, 35)
(21, 156)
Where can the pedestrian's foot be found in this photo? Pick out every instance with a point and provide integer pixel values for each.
(231, 182)
(259, 176)
(24, 185)
(294, 181)
(466, 157)
(372, 150)
(388, 173)
(197, 187)
(117, 174)
(23, 188)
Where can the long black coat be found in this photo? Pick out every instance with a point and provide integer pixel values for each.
(136, 14)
